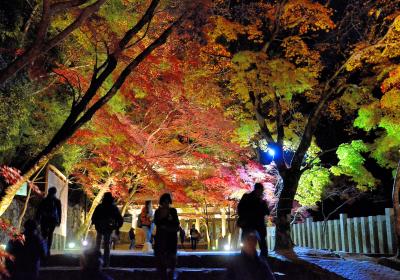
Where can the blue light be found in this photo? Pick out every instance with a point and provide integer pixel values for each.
(271, 152)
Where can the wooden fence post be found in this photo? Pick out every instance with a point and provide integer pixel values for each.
(350, 235)
(357, 234)
(299, 234)
(337, 234)
(381, 234)
(389, 229)
(303, 235)
(314, 234)
(372, 234)
(320, 237)
(331, 236)
(343, 232)
(309, 235)
(365, 235)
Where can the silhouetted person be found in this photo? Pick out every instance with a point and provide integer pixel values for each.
(106, 218)
(182, 235)
(27, 253)
(146, 218)
(49, 216)
(91, 263)
(252, 210)
(166, 239)
(132, 238)
(248, 265)
(194, 237)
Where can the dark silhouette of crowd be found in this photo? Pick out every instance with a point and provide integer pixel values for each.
(31, 249)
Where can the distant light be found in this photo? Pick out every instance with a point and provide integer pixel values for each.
(71, 245)
(271, 152)
(85, 243)
(241, 244)
(3, 246)
(227, 247)
(213, 247)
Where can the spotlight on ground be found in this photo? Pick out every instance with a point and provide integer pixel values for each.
(227, 247)
(85, 243)
(71, 245)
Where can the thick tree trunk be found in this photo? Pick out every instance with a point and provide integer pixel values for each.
(396, 209)
(82, 232)
(283, 241)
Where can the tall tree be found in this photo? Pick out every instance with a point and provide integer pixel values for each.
(86, 104)
(291, 61)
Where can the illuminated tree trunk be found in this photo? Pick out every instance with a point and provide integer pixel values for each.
(12, 190)
(88, 219)
(396, 209)
(129, 200)
(283, 240)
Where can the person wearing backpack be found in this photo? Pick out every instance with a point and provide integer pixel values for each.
(146, 222)
(106, 218)
(48, 216)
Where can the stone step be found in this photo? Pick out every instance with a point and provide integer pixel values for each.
(209, 264)
(147, 260)
(67, 273)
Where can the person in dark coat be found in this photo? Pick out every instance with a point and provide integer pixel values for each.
(91, 266)
(166, 239)
(132, 238)
(252, 210)
(194, 237)
(248, 265)
(27, 253)
(182, 236)
(106, 218)
(49, 216)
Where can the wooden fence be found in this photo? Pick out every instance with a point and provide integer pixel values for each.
(368, 235)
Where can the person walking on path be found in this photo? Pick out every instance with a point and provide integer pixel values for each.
(248, 265)
(194, 237)
(252, 210)
(166, 239)
(106, 218)
(182, 236)
(27, 253)
(132, 239)
(49, 216)
(146, 221)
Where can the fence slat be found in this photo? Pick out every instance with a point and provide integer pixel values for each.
(350, 235)
(319, 236)
(373, 238)
(314, 234)
(389, 229)
(331, 235)
(303, 236)
(309, 235)
(343, 232)
(381, 234)
(337, 235)
(298, 234)
(357, 234)
(366, 244)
